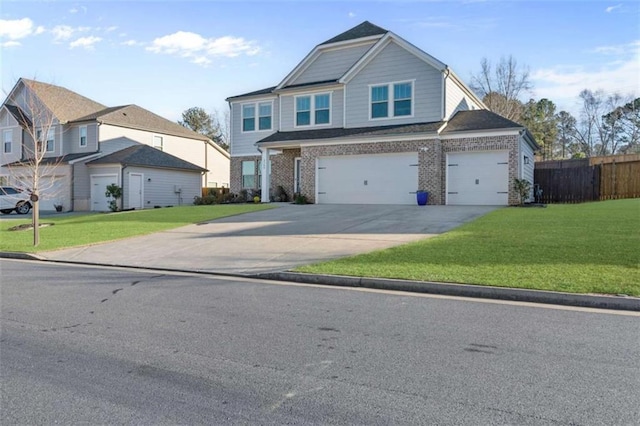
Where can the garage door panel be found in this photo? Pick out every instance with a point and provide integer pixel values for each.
(368, 179)
(478, 178)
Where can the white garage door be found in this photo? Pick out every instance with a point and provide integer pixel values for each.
(478, 178)
(99, 183)
(52, 192)
(368, 179)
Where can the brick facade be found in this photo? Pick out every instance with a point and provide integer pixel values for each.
(432, 158)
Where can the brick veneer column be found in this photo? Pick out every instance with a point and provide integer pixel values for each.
(282, 171)
(430, 173)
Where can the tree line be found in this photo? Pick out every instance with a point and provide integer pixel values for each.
(606, 123)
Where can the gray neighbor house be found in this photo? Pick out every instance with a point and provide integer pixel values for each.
(368, 118)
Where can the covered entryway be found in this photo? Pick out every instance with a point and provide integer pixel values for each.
(99, 199)
(367, 179)
(478, 178)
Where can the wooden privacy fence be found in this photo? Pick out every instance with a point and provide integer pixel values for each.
(575, 181)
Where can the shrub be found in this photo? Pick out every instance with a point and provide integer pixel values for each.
(114, 192)
(522, 188)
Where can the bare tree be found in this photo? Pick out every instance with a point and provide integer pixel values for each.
(502, 87)
(38, 128)
(222, 122)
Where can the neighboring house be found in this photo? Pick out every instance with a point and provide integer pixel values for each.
(178, 163)
(368, 118)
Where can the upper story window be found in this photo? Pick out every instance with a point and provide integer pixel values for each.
(391, 100)
(158, 142)
(313, 109)
(83, 135)
(263, 118)
(7, 140)
(50, 144)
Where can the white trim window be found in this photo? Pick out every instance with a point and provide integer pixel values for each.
(248, 174)
(83, 136)
(158, 142)
(51, 140)
(7, 140)
(391, 100)
(261, 121)
(313, 110)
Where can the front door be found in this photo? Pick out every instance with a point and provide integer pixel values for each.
(135, 191)
(296, 175)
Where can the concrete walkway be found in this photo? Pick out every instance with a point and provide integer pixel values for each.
(278, 239)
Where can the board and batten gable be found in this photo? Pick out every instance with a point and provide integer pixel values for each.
(243, 143)
(395, 64)
(332, 63)
(160, 186)
(288, 112)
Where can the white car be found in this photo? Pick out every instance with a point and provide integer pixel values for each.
(12, 198)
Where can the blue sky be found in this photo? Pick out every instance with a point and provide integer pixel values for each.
(171, 55)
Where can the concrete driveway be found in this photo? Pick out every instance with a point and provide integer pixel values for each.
(277, 239)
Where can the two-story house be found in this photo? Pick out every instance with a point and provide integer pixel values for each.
(88, 146)
(368, 118)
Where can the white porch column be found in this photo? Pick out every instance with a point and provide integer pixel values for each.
(266, 178)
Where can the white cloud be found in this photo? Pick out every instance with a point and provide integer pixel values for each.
(351, 15)
(73, 10)
(131, 43)
(201, 50)
(65, 32)
(110, 29)
(612, 8)
(620, 74)
(39, 30)
(62, 32)
(85, 42)
(10, 43)
(16, 29)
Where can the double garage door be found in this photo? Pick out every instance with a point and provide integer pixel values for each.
(479, 178)
(368, 179)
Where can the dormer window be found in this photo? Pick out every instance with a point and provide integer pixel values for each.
(391, 100)
(313, 110)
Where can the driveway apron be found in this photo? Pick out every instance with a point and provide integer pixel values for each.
(278, 239)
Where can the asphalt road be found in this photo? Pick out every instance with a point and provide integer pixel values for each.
(91, 345)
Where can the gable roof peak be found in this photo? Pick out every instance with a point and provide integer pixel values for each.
(365, 29)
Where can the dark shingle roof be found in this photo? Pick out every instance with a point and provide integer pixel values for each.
(365, 29)
(479, 119)
(54, 160)
(21, 117)
(64, 104)
(397, 129)
(255, 93)
(146, 156)
(135, 117)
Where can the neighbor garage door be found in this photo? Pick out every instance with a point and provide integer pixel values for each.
(99, 199)
(478, 178)
(368, 179)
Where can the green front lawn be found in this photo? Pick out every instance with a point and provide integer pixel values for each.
(580, 248)
(99, 227)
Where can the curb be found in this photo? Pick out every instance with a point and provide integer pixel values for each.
(626, 303)
(623, 303)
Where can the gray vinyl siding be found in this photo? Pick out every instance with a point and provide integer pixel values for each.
(81, 187)
(71, 139)
(243, 143)
(392, 64)
(160, 190)
(8, 122)
(288, 110)
(457, 99)
(527, 169)
(112, 145)
(332, 64)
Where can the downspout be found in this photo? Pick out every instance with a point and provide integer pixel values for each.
(124, 166)
(445, 75)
